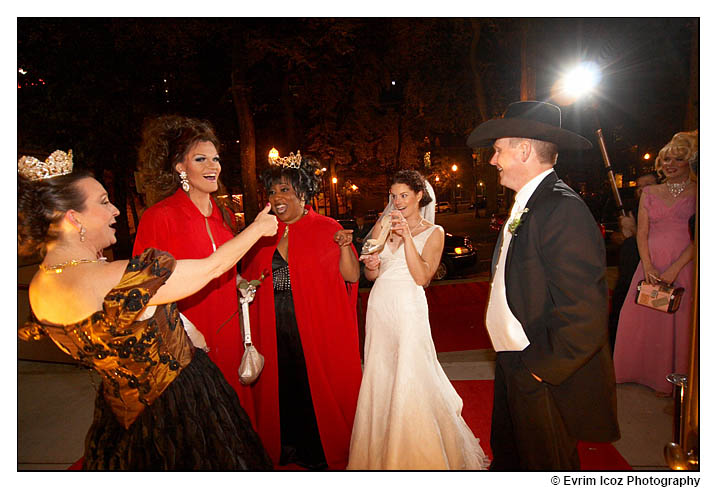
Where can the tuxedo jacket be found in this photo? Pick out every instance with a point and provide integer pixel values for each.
(556, 287)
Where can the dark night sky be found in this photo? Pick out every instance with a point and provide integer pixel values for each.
(645, 63)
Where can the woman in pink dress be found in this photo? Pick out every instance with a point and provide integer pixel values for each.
(652, 344)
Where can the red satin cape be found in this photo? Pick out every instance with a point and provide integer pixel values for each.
(175, 225)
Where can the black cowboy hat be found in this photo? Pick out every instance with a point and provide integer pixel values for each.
(528, 119)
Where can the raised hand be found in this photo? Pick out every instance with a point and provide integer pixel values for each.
(266, 222)
(399, 225)
(343, 238)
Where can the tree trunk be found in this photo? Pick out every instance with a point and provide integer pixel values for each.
(397, 161)
(528, 74)
(333, 203)
(691, 121)
(478, 85)
(289, 120)
(487, 173)
(247, 154)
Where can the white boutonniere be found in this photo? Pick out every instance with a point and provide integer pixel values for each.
(516, 222)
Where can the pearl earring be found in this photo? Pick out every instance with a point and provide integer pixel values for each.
(185, 182)
(82, 233)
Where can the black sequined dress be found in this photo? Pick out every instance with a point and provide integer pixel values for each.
(301, 443)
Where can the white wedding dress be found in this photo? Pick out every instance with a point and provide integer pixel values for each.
(408, 415)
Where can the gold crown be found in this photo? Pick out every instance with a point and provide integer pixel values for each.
(292, 161)
(59, 163)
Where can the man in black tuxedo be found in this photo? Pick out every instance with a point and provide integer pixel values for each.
(547, 314)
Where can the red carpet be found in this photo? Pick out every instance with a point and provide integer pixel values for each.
(456, 314)
(478, 400)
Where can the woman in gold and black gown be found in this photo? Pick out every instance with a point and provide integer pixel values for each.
(163, 404)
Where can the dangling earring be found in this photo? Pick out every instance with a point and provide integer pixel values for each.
(185, 182)
(82, 233)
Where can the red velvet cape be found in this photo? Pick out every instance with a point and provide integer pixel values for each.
(176, 225)
(325, 309)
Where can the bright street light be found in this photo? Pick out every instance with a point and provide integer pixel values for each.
(575, 83)
(454, 168)
(581, 80)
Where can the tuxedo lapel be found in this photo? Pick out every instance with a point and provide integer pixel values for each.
(518, 238)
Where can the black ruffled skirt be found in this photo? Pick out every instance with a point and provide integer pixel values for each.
(196, 424)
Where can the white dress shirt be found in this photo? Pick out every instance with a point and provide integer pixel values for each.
(505, 330)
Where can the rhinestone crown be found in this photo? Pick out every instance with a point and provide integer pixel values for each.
(291, 161)
(58, 163)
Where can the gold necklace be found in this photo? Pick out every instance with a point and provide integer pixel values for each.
(58, 268)
(286, 229)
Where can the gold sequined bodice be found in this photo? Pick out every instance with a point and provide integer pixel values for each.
(137, 359)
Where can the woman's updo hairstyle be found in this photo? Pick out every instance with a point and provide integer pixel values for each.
(415, 181)
(305, 180)
(683, 145)
(42, 204)
(165, 142)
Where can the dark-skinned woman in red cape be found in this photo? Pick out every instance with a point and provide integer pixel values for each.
(304, 323)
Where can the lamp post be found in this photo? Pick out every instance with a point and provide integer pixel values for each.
(334, 203)
(324, 192)
(454, 168)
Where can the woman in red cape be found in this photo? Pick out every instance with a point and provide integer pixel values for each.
(304, 323)
(189, 224)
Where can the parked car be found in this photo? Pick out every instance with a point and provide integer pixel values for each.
(458, 254)
(443, 207)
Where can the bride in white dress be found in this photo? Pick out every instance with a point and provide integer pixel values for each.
(408, 415)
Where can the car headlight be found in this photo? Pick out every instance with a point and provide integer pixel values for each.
(461, 250)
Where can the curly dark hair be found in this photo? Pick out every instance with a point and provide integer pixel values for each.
(43, 203)
(305, 180)
(165, 142)
(415, 181)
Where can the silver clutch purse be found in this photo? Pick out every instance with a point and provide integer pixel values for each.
(252, 361)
